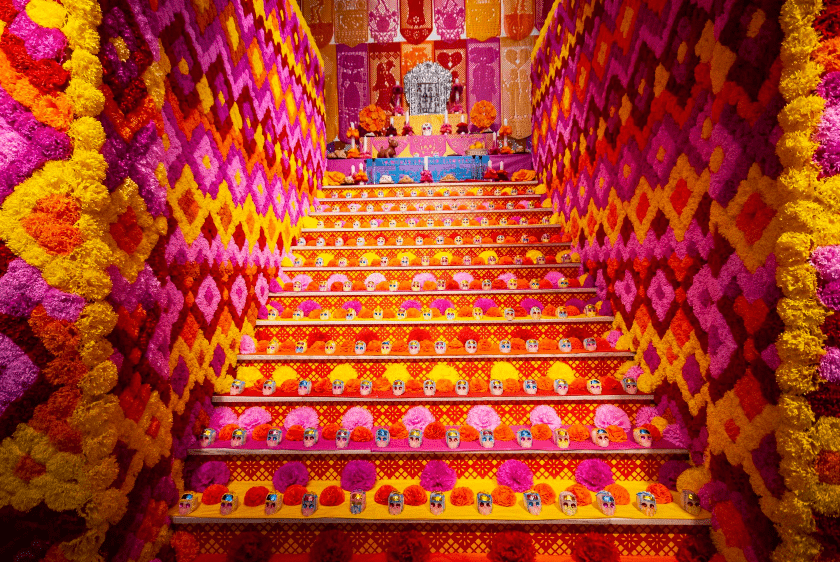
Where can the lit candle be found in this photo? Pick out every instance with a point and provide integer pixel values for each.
(490, 164)
(462, 118)
(505, 141)
(352, 143)
(425, 162)
(392, 121)
(494, 136)
(407, 116)
(361, 166)
(352, 125)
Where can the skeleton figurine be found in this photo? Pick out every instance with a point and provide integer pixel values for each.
(524, 438)
(304, 388)
(396, 503)
(310, 437)
(605, 503)
(462, 387)
(643, 437)
(188, 503)
(273, 438)
(600, 437)
(487, 439)
(484, 503)
(568, 503)
(237, 387)
(269, 387)
(365, 387)
(561, 387)
(690, 502)
(237, 438)
(415, 438)
(453, 438)
(309, 504)
(629, 384)
(496, 387)
(273, 502)
(646, 502)
(208, 437)
(561, 438)
(228, 504)
(383, 437)
(342, 438)
(533, 502)
(437, 503)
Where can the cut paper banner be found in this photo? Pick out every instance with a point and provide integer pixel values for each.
(453, 57)
(384, 72)
(384, 20)
(483, 74)
(450, 18)
(353, 88)
(519, 18)
(330, 91)
(415, 20)
(351, 22)
(412, 55)
(319, 16)
(483, 19)
(516, 84)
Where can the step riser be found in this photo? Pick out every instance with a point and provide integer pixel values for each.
(332, 300)
(467, 232)
(408, 273)
(355, 252)
(328, 213)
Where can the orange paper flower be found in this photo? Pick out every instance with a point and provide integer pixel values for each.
(619, 493)
(414, 495)
(382, 493)
(584, 496)
(398, 431)
(445, 385)
(381, 384)
(361, 434)
(213, 494)
(660, 492)
(469, 433)
(483, 114)
(504, 496)
(461, 496)
(329, 431)
(547, 494)
(372, 118)
(578, 432)
(352, 385)
(511, 385)
(260, 432)
(478, 384)
(294, 433)
(616, 434)
(503, 433)
(294, 494)
(227, 431)
(255, 496)
(332, 495)
(541, 432)
(289, 385)
(434, 430)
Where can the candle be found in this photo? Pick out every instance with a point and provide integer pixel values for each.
(353, 170)
(501, 164)
(425, 162)
(490, 164)
(392, 121)
(353, 143)
(505, 141)
(352, 125)
(365, 144)
(407, 117)
(505, 121)
(361, 166)
(462, 118)
(494, 136)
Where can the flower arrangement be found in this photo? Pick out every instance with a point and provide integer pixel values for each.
(483, 114)
(372, 118)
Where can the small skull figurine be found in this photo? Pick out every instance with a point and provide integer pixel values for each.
(360, 347)
(605, 503)
(309, 504)
(441, 284)
(429, 387)
(385, 348)
(600, 437)
(378, 313)
(540, 260)
(237, 387)
(590, 344)
(465, 221)
(297, 314)
(533, 503)
(478, 313)
(329, 347)
(491, 260)
(338, 387)
(188, 503)
(503, 221)
(437, 503)
(524, 438)
(371, 286)
(593, 386)
(510, 314)
(237, 438)
(304, 388)
(565, 345)
(351, 314)
(413, 347)
(415, 285)
(462, 387)
(467, 261)
(646, 502)
(418, 241)
(643, 437)
(300, 346)
(453, 438)
(273, 438)
(415, 438)
(310, 437)
(534, 284)
(393, 286)
(486, 284)
(398, 387)
(447, 222)
(342, 262)
(440, 347)
(523, 239)
(325, 314)
(517, 260)
(561, 311)
(228, 504)
(561, 438)
(561, 387)
(439, 239)
(401, 314)
(208, 437)
(342, 438)
(322, 286)
(427, 129)
(364, 262)
(532, 346)
(273, 502)
(487, 438)
(530, 386)
(496, 387)
(477, 239)
(470, 346)
(629, 385)
(690, 502)
(563, 284)
(512, 284)
(358, 502)
(395, 503)
(484, 503)
(589, 310)
(464, 284)
(504, 346)
(568, 503)
(536, 313)
(383, 437)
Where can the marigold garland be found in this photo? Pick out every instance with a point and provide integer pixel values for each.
(483, 114)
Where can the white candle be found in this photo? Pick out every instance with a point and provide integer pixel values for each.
(490, 164)
(361, 166)
(505, 121)
(425, 162)
(352, 125)
(462, 118)
(365, 144)
(501, 164)
(505, 141)
(353, 170)
(494, 136)
(352, 143)
(407, 117)
(392, 121)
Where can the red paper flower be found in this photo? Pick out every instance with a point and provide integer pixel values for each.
(331, 545)
(414, 495)
(382, 493)
(213, 494)
(408, 547)
(513, 546)
(294, 494)
(361, 434)
(594, 547)
(435, 430)
(255, 496)
(332, 495)
(250, 547)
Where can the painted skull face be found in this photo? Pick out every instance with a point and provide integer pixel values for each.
(418, 240)
(208, 437)
(383, 437)
(450, 314)
(484, 503)
(523, 221)
(430, 222)
(269, 387)
(374, 223)
(380, 193)
(484, 221)
(510, 314)
(393, 286)
(369, 208)
(566, 258)
(297, 314)
(629, 385)
(496, 387)
(322, 286)
(399, 240)
(477, 239)
(401, 314)
(358, 502)
(414, 193)
(643, 437)
(562, 313)
(533, 503)
(491, 205)
(437, 503)
(589, 310)
(304, 388)
(471, 346)
(540, 260)
(309, 504)
(338, 387)
(357, 224)
(503, 221)
(447, 222)
(605, 503)
(403, 206)
(459, 240)
(646, 503)
(524, 438)
(504, 346)
(453, 438)
(228, 504)
(444, 260)
(512, 284)
(439, 239)
(412, 222)
(487, 439)
(534, 284)
(478, 313)
(593, 386)
(237, 387)
(565, 345)
(425, 260)
(467, 261)
(398, 387)
(600, 437)
(347, 286)
(364, 194)
(273, 438)
(380, 240)
(430, 190)
(429, 387)
(360, 347)
(486, 284)
(329, 347)
(479, 191)
(404, 261)
(395, 503)
(464, 284)
(589, 344)
(324, 314)
(383, 261)
(342, 438)
(568, 503)
(561, 387)
(530, 386)
(297, 286)
(561, 438)
(370, 286)
(536, 313)
(426, 314)
(273, 502)
(471, 205)
(301, 241)
(441, 284)
(440, 347)
(342, 262)
(500, 239)
(364, 262)
(321, 241)
(392, 223)
(310, 437)
(415, 438)
(385, 347)
(300, 346)
(462, 387)
(690, 502)
(272, 312)
(378, 313)
(336, 208)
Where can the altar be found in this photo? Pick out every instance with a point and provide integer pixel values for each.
(462, 167)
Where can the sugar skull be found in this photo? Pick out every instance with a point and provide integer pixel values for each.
(605, 503)
(273, 502)
(403, 206)
(646, 502)
(383, 437)
(524, 438)
(545, 238)
(491, 205)
(561, 312)
(500, 239)
(486, 284)
(399, 240)
(540, 260)
(563, 283)
(484, 503)
(496, 387)
(441, 284)
(347, 286)
(395, 503)
(484, 221)
(510, 314)
(374, 223)
(444, 260)
(336, 208)
(643, 437)
(593, 386)
(503, 221)
(561, 438)
(568, 503)
(477, 239)
(453, 438)
(437, 503)
(440, 347)
(322, 286)
(464, 284)
(309, 504)
(426, 313)
(425, 260)
(536, 313)
(401, 314)
(600, 437)
(304, 388)
(517, 260)
(319, 224)
(589, 310)
(392, 223)
(380, 193)
(208, 437)
(378, 313)
(467, 261)
(629, 385)
(565, 345)
(415, 285)
(228, 504)
(296, 287)
(523, 221)
(360, 347)
(385, 347)
(479, 191)
(471, 346)
(418, 240)
(459, 240)
(301, 241)
(534, 284)
(462, 387)
(414, 193)
(566, 258)
(342, 438)
(351, 314)
(393, 286)
(398, 387)
(188, 503)
(413, 347)
(297, 314)
(450, 314)
(338, 387)
(512, 283)
(339, 241)
(358, 502)
(690, 502)
(415, 438)
(310, 437)
(530, 386)
(471, 205)
(439, 239)
(380, 240)
(447, 222)
(342, 262)
(504, 346)
(324, 314)
(237, 387)
(487, 438)
(429, 387)
(358, 224)
(589, 344)
(561, 387)
(300, 346)
(364, 262)
(329, 347)
(430, 222)
(532, 346)
(273, 438)
(369, 208)
(412, 222)
(533, 503)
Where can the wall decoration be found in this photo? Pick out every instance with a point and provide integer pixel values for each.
(416, 20)
(450, 18)
(483, 74)
(351, 22)
(516, 85)
(453, 57)
(384, 72)
(384, 20)
(519, 18)
(483, 19)
(353, 90)
(412, 55)
(319, 15)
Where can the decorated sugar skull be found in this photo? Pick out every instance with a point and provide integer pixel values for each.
(319, 224)
(273, 438)
(338, 387)
(426, 313)
(427, 129)
(395, 503)
(360, 347)
(471, 205)
(514, 191)
(393, 286)
(418, 240)
(465, 221)
(369, 208)
(464, 284)
(643, 437)
(228, 504)
(690, 502)
(484, 502)
(479, 191)
(523, 221)
(430, 222)
(561, 438)
(309, 504)
(540, 260)
(437, 503)
(399, 240)
(357, 224)
(392, 223)
(471, 346)
(545, 238)
(336, 208)
(497, 191)
(237, 438)
(378, 313)
(459, 240)
(296, 287)
(512, 284)
(380, 193)
(447, 222)
(342, 438)
(187, 503)
(565, 345)
(524, 438)
(304, 387)
(329, 347)
(385, 347)
(510, 314)
(646, 502)
(589, 310)
(380, 240)
(301, 241)
(398, 387)
(487, 439)
(486, 284)
(351, 314)
(534, 284)
(477, 239)
(319, 262)
(477, 313)
(404, 261)
(566, 258)
(439, 239)
(462, 387)
(425, 260)
(297, 314)
(273, 502)
(412, 222)
(509, 206)
(374, 223)
(529, 386)
(484, 221)
(383, 261)
(403, 206)
(533, 503)
(438, 206)
(324, 314)
(414, 193)
(561, 312)
(310, 437)
(600, 437)
(237, 387)
(444, 260)
(370, 285)
(503, 221)
(300, 346)
(339, 241)
(500, 239)
(467, 261)
(605, 503)
(629, 385)
(589, 344)
(383, 437)
(273, 346)
(504, 346)
(491, 205)
(347, 286)
(342, 262)
(535, 313)
(568, 503)
(429, 387)
(593, 386)
(208, 437)
(561, 387)
(532, 346)
(358, 502)
(415, 438)
(453, 438)
(364, 262)
(322, 286)
(450, 314)
(269, 387)
(401, 314)
(496, 387)
(441, 284)
(440, 347)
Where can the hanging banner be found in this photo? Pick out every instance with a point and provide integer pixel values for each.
(383, 73)
(412, 55)
(384, 20)
(330, 92)
(415, 20)
(483, 75)
(351, 22)
(484, 19)
(519, 18)
(353, 88)
(453, 57)
(319, 15)
(542, 11)
(516, 84)
(450, 19)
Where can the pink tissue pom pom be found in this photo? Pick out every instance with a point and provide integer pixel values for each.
(516, 475)
(354, 304)
(554, 277)
(336, 278)
(607, 414)
(827, 261)
(308, 306)
(221, 417)
(505, 277)
(462, 276)
(830, 365)
(529, 303)
(483, 417)
(304, 279)
(358, 475)
(417, 417)
(484, 304)
(303, 416)
(247, 345)
(377, 278)
(411, 303)
(545, 414)
(594, 474)
(438, 477)
(293, 472)
(252, 417)
(645, 414)
(357, 417)
(441, 305)
(677, 435)
(634, 372)
(423, 277)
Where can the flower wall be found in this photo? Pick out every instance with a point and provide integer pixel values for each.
(157, 158)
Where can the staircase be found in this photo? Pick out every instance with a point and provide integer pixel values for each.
(469, 276)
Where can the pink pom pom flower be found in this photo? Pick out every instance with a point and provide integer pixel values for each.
(358, 475)
(607, 414)
(545, 414)
(516, 475)
(645, 414)
(417, 417)
(247, 345)
(594, 474)
(294, 472)
(483, 417)
(252, 417)
(221, 417)
(438, 477)
(303, 416)
(357, 416)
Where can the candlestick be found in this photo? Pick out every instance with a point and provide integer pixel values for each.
(490, 164)
(365, 150)
(361, 166)
(352, 125)
(392, 121)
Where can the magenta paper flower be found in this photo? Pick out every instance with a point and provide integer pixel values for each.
(358, 475)
(594, 474)
(516, 475)
(247, 345)
(607, 414)
(294, 472)
(483, 417)
(417, 417)
(437, 477)
(221, 417)
(211, 472)
(644, 415)
(252, 417)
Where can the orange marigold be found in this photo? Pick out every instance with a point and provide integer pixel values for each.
(584, 496)
(445, 385)
(541, 432)
(414, 495)
(361, 434)
(619, 493)
(461, 496)
(329, 431)
(578, 432)
(660, 492)
(547, 493)
(332, 495)
(483, 114)
(382, 493)
(398, 431)
(469, 433)
(616, 434)
(435, 430)
(294, 433)
(504, 496)
(503, 433)
(294, 494)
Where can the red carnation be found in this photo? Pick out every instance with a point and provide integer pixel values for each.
(213, 494)
(294, 494)
(514, 546)
(255, 496)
